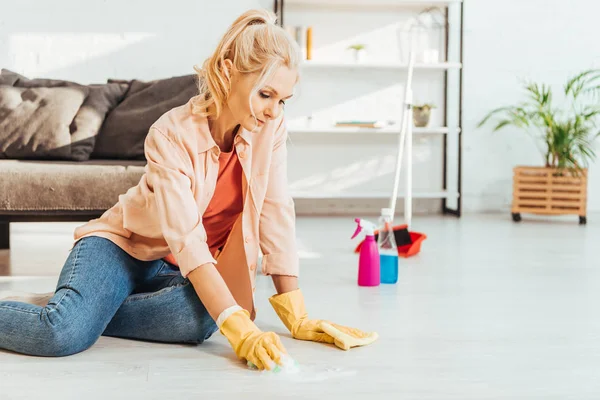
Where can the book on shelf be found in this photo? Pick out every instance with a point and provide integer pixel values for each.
(360, 124)
(303, 35)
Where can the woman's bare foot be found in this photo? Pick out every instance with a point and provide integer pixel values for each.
(38, 299)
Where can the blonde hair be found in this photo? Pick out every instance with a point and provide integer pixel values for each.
(254, 44)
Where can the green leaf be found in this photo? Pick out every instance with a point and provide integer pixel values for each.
(569, 133)
(492, 114)
(581, 82)
(502, 124)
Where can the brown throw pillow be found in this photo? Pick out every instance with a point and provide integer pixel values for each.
(124, 131)
(88, 121)
(35, 123)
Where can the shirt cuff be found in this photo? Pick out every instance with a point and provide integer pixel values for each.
(194, 255)
(280, 264)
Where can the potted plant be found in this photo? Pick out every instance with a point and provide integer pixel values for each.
(359, 50)
(566, 140)
(422, 114)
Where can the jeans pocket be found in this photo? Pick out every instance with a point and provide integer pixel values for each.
(168, 269)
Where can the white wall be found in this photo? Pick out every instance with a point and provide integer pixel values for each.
(504, 40)
(546, 41)
(89, 41)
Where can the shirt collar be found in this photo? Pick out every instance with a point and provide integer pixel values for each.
(245, 135)
(206, 141)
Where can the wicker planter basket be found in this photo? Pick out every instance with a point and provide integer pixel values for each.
(545, 191)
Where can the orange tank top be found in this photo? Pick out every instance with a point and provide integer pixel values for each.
(225, 205)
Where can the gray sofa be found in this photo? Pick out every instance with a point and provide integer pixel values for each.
(68, 150)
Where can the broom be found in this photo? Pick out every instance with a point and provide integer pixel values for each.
(409, 243)
(401, 233)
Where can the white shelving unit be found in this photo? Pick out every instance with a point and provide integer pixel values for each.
(378, 65)
(388, 130)
(450, 135)
(298, 194)
(371, 3)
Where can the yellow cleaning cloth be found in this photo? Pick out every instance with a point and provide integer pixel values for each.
(345, 337)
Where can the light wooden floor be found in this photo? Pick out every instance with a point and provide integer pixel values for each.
(489, 310)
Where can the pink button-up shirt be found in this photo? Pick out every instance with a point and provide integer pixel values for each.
(162, 214)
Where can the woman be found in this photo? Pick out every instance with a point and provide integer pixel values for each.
(175, 259)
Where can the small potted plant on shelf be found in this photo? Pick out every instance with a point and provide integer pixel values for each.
(422, 114)
(359, 51)
(566, 135)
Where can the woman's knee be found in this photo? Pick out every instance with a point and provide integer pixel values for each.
(198, 333)
(209, 327)
(199, 325)
(65, 337)
(190, 321)
(65, 342)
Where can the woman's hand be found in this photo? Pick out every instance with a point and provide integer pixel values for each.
(291, 310)
(327, 332)
(263, 349)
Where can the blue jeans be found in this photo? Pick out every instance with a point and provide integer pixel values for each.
(102, 290)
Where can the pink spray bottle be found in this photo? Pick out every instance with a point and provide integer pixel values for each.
(368, 261)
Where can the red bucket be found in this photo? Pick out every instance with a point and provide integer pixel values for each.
(408, 245)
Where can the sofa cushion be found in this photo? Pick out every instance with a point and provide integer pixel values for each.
(65, 185)
(87, 123)
(125, 128)
(36, 122)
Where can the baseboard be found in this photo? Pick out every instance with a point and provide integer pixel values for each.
(358, 207)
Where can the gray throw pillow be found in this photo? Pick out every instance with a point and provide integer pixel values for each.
(88, 121)
(35, 123)
(124, 131)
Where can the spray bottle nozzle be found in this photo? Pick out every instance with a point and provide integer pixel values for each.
(358, 228)
(364, 224)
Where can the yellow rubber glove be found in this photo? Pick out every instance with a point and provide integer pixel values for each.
(250, 343)
(292, 312)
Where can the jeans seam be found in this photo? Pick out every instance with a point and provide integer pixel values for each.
(70, 276)
(144, 296)
(19, 309)
(165, 264)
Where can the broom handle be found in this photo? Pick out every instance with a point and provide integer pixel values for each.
(408, 199)
(398, 162)
(405, 125)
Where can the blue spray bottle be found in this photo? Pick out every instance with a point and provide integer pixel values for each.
(388, 250)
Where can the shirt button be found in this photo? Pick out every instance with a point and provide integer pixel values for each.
(242, 154)
(248, 239)
(252, 267)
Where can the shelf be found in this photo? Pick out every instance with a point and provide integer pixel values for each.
(390, 130)
(372, 4)
(309, 64)
(371, 195)
(348, 15)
